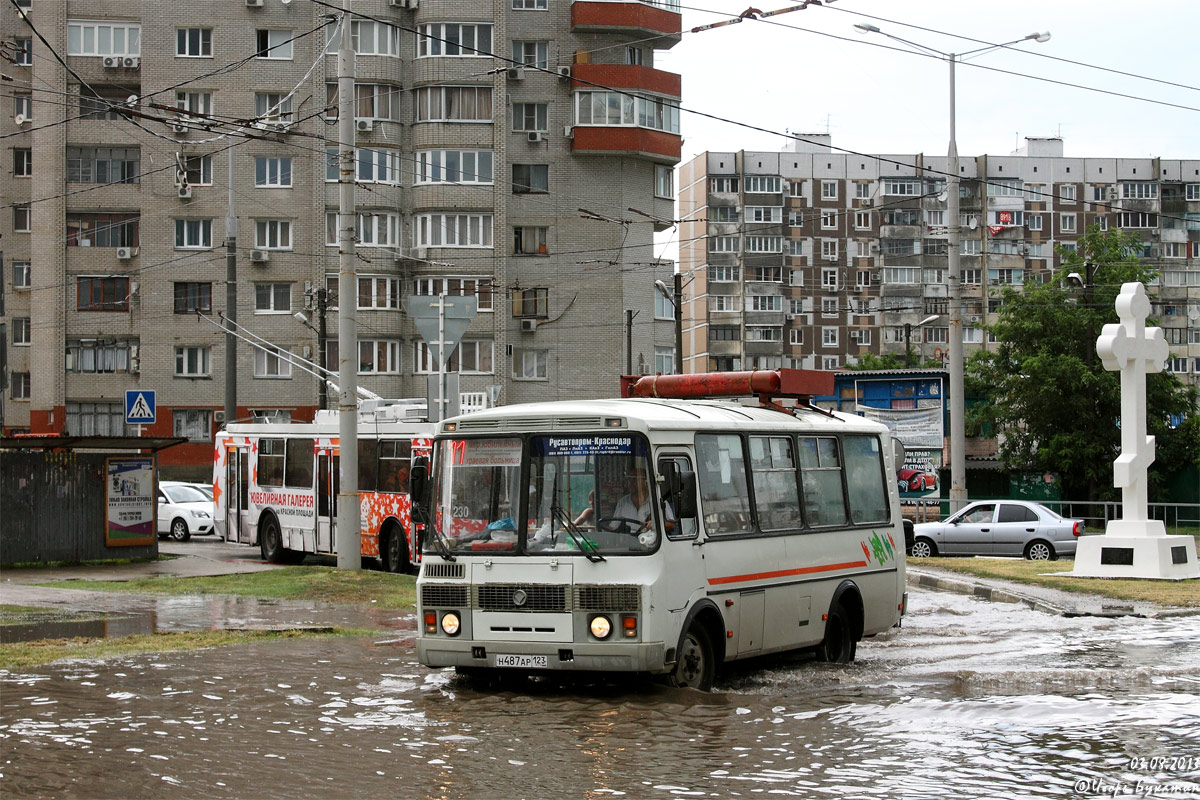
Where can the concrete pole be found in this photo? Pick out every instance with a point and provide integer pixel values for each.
(958, 447)
(348, 515)
(231, 293)
(629, 341)
(322, 335)
(678, 323)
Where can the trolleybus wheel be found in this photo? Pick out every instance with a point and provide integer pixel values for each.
(695, 667)
(395, 558)
(270, 540)
(838, 646)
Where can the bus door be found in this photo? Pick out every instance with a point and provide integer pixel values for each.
(237, 494)
(327, 470)
(684, 569)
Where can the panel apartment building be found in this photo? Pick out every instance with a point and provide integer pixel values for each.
(811, 258)
(537, 186)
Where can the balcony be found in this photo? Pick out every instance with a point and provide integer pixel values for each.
(632, 18)
(664, 148)
(626, 76)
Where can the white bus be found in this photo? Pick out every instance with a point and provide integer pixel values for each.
(765, 529)
(275, 484)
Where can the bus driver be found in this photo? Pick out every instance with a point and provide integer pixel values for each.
(635, 509)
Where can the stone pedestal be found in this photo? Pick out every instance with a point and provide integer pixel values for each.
(1129, 550)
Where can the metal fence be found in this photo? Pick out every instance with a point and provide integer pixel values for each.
(1095, 514)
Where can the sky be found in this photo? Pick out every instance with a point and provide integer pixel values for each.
(875, 95)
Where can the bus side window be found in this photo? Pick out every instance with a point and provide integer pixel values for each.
(721, 474)
(864, 479)
(299, 468)
(270, 462)
(776, 498)
(821, 477)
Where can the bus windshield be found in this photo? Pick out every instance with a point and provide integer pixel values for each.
(581, 494)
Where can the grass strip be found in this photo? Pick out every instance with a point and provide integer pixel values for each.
(1166, 593)
(326, 584)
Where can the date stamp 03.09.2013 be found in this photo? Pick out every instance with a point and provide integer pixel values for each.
(1149, 776)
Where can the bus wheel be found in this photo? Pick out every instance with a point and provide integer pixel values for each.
(394, 557)
(270, 540)
(696, 667)
(838, 646)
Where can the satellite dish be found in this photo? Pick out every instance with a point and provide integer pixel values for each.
(972, 222)
(942, 196)
(132, 100)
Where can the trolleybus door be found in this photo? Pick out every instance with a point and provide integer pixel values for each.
(237, 491)
(327, 470)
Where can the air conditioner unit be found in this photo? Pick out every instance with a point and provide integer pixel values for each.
(254, 3)
(126, 253)
(219, 417)
(260, 256)
(279, 126)
(185, 192)
(179, 127)
(569, 131)
(112, 62)
(516, 73)
(564, 72)
(364, 125)
(534, 136)
(528, 325)
(135, 364)
(20, 119)
(131, 62)
(791, 316)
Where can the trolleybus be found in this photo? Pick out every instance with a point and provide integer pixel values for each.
(275, 484)
(764, 527)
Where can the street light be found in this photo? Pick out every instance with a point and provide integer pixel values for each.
(677, 302)
(908, 336)
(958, 441)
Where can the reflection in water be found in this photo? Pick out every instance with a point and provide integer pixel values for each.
(970, 699)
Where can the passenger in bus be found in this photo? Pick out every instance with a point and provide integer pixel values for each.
(398, 481)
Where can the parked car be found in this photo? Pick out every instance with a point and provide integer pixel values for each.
(183, 510)
(914, 480)
(1001, 528)
(205, 489)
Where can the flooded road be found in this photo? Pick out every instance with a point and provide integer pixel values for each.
(970, 699)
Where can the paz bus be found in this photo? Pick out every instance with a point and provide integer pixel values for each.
(275, 483)
(763, 527)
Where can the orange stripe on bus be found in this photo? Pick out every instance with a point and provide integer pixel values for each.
(784, 573)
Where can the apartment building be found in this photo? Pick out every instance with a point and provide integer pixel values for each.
(811, 258)
(522, 152)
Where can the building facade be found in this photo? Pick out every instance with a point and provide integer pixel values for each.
(810, 258)
(536, 188)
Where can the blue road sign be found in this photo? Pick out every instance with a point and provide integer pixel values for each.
(140, 407)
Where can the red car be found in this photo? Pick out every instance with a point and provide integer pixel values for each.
(914, 480)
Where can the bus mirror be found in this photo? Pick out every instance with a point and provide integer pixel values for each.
(679, 488)
(898, 453)
(418, 478)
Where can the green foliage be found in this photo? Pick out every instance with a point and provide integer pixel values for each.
(869, 362)
(1048, 394)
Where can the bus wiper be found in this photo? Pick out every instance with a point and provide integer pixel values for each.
(439, 540)
(585, 545)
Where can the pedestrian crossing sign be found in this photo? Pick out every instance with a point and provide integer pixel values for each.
(140, 407)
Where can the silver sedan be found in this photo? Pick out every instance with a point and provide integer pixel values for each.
(1000, 528)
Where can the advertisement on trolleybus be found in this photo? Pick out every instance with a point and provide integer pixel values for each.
(275, 485)
(660, 533)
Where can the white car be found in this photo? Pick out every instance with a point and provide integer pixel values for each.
(183, 510)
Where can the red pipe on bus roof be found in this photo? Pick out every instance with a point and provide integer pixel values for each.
(772, 383)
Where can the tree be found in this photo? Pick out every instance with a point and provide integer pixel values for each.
(873, 363)
(1047, 395)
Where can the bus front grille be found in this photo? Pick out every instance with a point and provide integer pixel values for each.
(607, 598)
(437, 596)
(444, 570)
(520, 597)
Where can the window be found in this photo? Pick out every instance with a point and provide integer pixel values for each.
(972, 335)
(193, 42)
(530, 240)
(829, 190)
(471, 357)
(273, 107)
(764, 244)
(1066, 192)
(193, 234)
(902, 216)
(271, 362)
(21, 220)
(795, 219)
(105, 101)
(378, 356)
(535, 54)
(998, 187)
(102, 230)
(21, 385)
(454, 104)
(635, 56)
(723, 333)
(821, 480)
(618, 108)
(454, 39)
(270, 297)
(829, 337)
(664, 306)
(102, 294)
(1174, 250)
(529, 5)
(531, 303)
(1034, 221)
(1139, 190)
(197, 171)
(902, 187)
(454, 230)
(722, 244)
(21, 275)
(764, 333)
(764, 302)
(193, 362)
(764, 214)
(530, 364)
(1137, 219)
(1191, 191)
(723, 185)
(530, 117)
(829, 279)
(23, 52)
(273, 172)
(764, 184)
(725, 273)
(191, 297)
(96, 419)
(723, 214)
(22, 331)
(829, 249)
(861, 338)
(796, 336)
(862, 248)
(1006, 218)
(23, 162)
(721, 473)
(765, 274)
(103, 38)
(273, 234)
(664, 360)
(722, 302)
(273, 44)
(379, 292)
(193, 423)
(371, 229)
(796, 247)
(481, 288)
(862, 278)
(194, 102)
(530, 178)
(901, 275)
(664, 182)
(1007, 277)
(862, 220)
(829, 220)
(971, 247)
(454, 166)
(371, 101)
(368, 38)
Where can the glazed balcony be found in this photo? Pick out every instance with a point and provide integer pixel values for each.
(633, 18)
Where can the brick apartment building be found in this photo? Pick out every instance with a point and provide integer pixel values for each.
(538, 189)
(811, 258)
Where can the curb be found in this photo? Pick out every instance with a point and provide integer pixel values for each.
(981, 590)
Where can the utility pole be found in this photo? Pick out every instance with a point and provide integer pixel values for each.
(322, 333)
(231, 293)
(958, 439)
(629, 341)
(348, 513)
(678, 323)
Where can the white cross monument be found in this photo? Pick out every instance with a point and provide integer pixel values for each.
(1134, 546)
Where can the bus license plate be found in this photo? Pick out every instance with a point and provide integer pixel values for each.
(524, 662)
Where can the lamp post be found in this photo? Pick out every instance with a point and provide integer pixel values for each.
(677, 302)
(958, 441)
(908, 326)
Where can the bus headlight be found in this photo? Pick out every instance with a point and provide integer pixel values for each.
(450, 623)
(600, 626)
